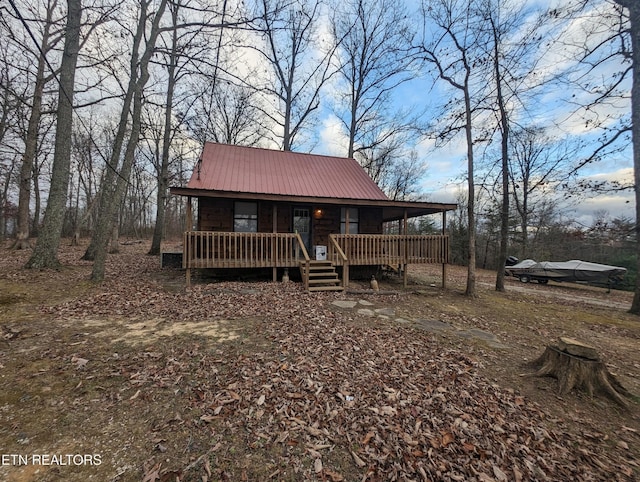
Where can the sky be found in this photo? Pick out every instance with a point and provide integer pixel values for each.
(445, 176)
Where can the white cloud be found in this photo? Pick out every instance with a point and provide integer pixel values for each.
(333, 139)
(616, 205)
(624, 175)
(445, 193)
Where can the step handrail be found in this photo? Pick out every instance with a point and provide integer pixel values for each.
(345, 261)
(307, 261)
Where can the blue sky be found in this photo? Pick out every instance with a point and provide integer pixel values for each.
(445, 176)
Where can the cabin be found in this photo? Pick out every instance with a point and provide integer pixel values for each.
(250, 207)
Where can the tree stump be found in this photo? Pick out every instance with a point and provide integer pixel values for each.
(577, 365)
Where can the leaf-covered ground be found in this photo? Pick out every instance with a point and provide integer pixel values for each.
(262, 381)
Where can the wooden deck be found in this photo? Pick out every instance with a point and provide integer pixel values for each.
(209, 249)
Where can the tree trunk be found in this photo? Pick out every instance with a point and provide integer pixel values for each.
(111, 203)
(163, 172)
(45, 254)
(114, 245)
(471, 216)
(634, 17)
(31, 140)
(576, 365)
(108, 184)
(37, 206)
(30, 149)
(504, 125)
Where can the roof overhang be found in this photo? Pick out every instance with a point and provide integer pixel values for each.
(391, 210)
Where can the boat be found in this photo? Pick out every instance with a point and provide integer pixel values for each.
(574, 270)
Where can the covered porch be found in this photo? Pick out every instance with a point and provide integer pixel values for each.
(224, 250)
(250, 230)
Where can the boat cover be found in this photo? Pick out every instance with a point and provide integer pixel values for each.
(573, 270)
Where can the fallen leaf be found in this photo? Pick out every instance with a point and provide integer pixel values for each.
(79, 362)
(152, 474)
(469, 447)
(359, 462)
(499, 474)
(517, 475)
(367, 438)
(334, 476)
(447, 438)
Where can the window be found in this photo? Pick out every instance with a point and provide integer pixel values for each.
(353, 220)
(245, 217)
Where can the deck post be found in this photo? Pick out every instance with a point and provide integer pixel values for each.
(345, 267)
(189, 225)
(345, 274)
(445, 253)
(405, 278)
(274, 242)
(186, 251)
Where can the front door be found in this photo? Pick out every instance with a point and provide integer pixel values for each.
(302, 225)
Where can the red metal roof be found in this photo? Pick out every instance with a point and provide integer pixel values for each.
(263, 171)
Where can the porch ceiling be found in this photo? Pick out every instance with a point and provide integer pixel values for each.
(391, 210)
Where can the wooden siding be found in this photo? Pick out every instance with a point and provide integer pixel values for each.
(327, 224)
(215, 214)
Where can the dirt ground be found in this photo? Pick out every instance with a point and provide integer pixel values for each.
(138, 379)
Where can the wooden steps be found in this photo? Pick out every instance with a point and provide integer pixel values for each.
(322, 276)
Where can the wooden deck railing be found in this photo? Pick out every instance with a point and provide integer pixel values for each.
(209, 249)
(388, 249)
(336, 254)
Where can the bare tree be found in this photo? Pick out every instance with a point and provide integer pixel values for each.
(608, 46)
(186, 50)
(450, 42)
(537, 164)
(374, 39)
(117, 178)
(299, 61)
(45, 254)
(403, 182)
(86, 175)
(163, 167)
(496, 33)
(234, 114)
(391, 162)
(9, 119)
(516, 37)
(633, 9)
(48, 40)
